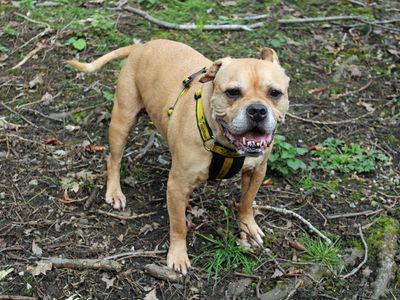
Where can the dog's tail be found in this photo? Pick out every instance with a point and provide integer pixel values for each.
(101, 61)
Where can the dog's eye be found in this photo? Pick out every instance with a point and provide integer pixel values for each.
(233, 93)
(274, 94)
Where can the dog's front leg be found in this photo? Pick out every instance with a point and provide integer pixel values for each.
(251, 181)
(178, 193)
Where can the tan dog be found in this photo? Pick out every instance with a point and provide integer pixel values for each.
(243, 101)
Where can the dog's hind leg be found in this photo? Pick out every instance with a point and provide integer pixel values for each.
(127, 106)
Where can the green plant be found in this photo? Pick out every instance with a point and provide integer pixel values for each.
(334, 154)
(78, 43)
(101, 23)
(27, 4)
(284, 157)
(108, 96)
(223, 254)
(318, 251)
(3, 48)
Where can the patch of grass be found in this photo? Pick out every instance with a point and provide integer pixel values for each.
(320, 252)
(306, 182)
(139, 173)
(223, 254)
(334, 154)
(285, 157)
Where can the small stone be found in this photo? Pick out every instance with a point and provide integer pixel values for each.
(2, 195)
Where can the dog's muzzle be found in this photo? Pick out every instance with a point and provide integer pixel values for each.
(252, 131)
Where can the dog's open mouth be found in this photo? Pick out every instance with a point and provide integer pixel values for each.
(251, 143)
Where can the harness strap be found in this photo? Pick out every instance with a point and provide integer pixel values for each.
(186, 86)
(225, 162)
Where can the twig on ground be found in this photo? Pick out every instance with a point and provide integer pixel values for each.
(122, 217)
(296, 215)
(355, 270)
(292, 292)
(97, 264)
(136, 254)
(19, 115)
(192, 26)
(43, 33)
(355, 214)
(39, 47)
(31, 20)
(163, 273)
(146, 148)
(351, 93)
(329, 122)
(38, 113)
(91, 198)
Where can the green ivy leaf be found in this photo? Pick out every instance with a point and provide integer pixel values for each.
(79, 44)
(296, 164)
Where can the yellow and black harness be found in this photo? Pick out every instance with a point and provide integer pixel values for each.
(225, 162)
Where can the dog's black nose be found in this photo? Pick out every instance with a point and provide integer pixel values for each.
(257, 112)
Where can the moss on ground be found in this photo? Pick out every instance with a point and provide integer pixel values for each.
(382, 226)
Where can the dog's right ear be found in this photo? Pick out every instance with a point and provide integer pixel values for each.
(213, 70)
(269, 54)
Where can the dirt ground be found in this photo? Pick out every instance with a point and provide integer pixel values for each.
(53, 150)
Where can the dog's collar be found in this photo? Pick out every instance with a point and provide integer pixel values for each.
(225, 162)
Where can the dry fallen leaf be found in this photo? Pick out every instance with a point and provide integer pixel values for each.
(268, 181)
(41, 268)
(297, 245)
(91, 148)
(36, 249)
(318, 90)
(295, 272)
(152, 295)
(109, 281)
(148, 227)
(316, 148)
(51, 140)
(35, 81)
(197, 212)
(277, 273)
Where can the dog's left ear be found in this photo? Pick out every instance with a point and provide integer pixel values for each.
(269, 54)
(213, 70)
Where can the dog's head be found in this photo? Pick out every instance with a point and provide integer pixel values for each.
(249, 99)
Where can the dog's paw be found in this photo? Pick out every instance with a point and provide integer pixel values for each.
(116, 199)
(178, 260)
(250, 231)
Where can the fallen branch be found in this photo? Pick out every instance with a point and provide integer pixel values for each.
(122, 217)
(247, 27)
(191, 26)
(320, 19)
(163, 273)
(350, 215)
(387, 252)
(136, 254)
(350, 93)
(15, 297)
(96, 264)
(329, 122)
(355, 270)
(296, 215)
(39, 47)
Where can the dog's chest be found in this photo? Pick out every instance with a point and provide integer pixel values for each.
(251, 163)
